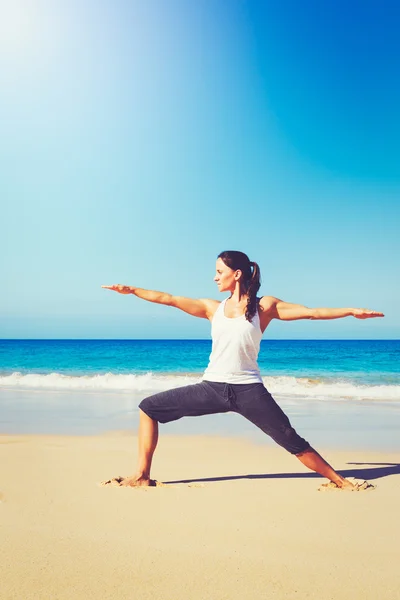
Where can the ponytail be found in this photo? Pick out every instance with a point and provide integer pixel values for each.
(253, 285)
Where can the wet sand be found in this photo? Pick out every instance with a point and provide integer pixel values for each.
(235, 520)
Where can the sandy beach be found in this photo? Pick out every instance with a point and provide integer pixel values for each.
(235, 520)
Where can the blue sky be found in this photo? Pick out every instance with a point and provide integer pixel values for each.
(140, 139)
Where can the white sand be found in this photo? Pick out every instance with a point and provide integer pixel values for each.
(272, 536)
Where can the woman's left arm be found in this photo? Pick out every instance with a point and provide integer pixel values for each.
(287, 311)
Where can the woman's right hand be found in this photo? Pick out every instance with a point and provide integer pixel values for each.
(121, 289)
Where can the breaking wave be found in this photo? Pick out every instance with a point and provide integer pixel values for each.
(149, 382)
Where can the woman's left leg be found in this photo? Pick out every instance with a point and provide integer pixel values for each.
(314, 461)
(256, 404)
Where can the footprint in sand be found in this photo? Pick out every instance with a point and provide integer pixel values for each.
(114, 481)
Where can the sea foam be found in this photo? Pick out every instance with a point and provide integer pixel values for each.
(295, 387)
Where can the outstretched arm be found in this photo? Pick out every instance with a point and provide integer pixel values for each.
(286, 311)
(203, 307)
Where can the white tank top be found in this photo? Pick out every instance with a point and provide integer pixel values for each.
(235, 348)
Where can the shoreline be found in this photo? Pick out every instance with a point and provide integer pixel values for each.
(250, 436)
(336, 424)
(232, 522)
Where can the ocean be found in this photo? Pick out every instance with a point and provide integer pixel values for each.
(92, 385)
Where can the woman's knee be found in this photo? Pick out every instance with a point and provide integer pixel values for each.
(162, 407)
(145, 404)
(303, 452)
(149, 408)
(143, 414)
(292, 442)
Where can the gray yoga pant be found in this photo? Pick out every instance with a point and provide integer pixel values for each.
(253, 401)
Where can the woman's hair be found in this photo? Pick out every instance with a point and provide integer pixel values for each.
(251, 277)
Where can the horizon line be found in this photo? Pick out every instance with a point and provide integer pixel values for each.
(194, 340)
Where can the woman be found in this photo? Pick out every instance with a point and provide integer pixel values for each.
(232, 380)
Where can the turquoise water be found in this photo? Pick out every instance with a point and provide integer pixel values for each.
(376, 361)
(340, 393)
(365, 366)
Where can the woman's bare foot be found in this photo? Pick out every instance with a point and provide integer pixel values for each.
(346, 485)
(340, 482)
(357, 485)
(132, 481)
(138, 481)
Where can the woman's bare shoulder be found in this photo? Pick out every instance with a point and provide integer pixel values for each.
(267, 302)
(211, 306)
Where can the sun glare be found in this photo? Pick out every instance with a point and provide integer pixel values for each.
(17, 25)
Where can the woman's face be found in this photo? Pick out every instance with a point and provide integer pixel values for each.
(225, 277)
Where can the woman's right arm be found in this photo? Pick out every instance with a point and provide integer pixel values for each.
(202, 307)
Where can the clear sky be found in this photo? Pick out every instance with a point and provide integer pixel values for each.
(141, 138)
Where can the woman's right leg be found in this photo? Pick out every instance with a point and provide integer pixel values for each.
(147, 443)
(203, 398)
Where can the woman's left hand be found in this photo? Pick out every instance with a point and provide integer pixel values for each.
(366, 313)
